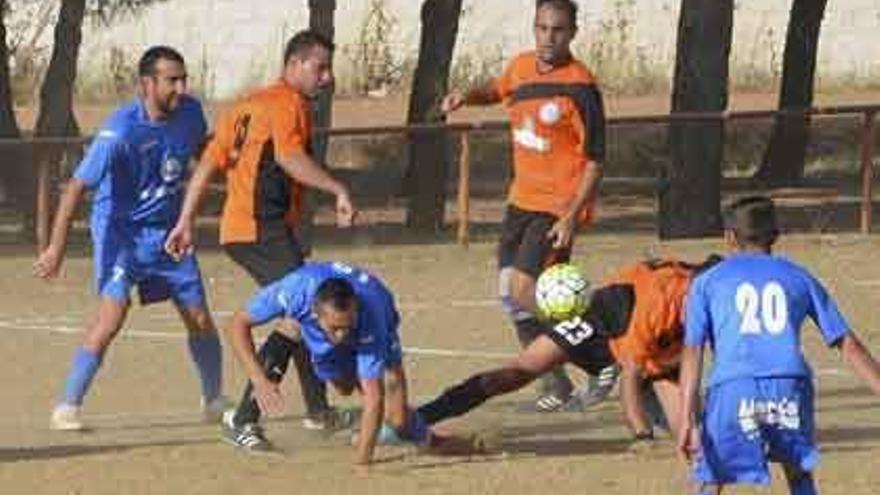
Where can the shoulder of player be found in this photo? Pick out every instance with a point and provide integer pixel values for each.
(119, 126)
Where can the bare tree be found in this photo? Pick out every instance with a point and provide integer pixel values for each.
(690, 186)
(783, 161)
(429, 153)
(8, 124)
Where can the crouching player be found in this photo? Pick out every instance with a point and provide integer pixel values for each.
(635, 320)
(349, 325)
(749, 310)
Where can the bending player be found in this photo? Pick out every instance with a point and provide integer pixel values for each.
(635, 320)
(349, 325)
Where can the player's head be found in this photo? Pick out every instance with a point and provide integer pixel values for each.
(162, 75)
(308, 62)
(335, 307)
(750, 222)
(555, 27)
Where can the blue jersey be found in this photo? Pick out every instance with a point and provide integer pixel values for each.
(750, 309)
(138, 166)
(371, 346)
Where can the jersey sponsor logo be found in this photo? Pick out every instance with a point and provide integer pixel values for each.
(575, 330)
(526, 137)
(753, 414)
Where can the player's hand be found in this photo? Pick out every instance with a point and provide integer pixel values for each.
(451, 102)
(345, 211)
(48, 263)
(179, 241)
(688, 442)
(562, 232)
(268, 396)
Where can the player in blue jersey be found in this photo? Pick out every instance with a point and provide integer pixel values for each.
(349, 325)
(136, 167)
(749, 309)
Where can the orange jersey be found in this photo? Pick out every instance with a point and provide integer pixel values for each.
(270, 123)
(558, 128)
(654, 338)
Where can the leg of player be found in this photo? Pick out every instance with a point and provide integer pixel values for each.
(539, 357)
(799, 482)
(520, 300)
(207, 354)
(86, 361)
(669, 394)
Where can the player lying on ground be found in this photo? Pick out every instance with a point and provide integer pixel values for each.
(634, 320)
(759, 403)
(349, 325)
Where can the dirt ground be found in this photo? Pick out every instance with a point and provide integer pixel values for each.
(148, 437)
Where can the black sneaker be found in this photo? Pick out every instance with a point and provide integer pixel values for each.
(248, 436)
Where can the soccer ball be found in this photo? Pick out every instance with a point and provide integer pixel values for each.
(561, 292)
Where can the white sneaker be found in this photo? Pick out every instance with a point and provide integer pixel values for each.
(65, 417)
(212, 411)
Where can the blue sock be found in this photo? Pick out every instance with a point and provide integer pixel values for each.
(83, 368)
(802, 485)
(208, 356)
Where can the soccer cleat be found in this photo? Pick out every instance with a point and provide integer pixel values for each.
(598, 387)
(213, 410)
(549, 403)
(248, 437)
(66, 417)
(330, 420)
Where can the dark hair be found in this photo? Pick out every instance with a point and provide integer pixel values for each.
(753, 220)
(148, 61)
(336, 292)
(301, 44)
(567, 6)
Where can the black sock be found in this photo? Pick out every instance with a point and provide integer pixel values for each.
(314, 391)
(274, 356)
(455, 401)
(555, 381)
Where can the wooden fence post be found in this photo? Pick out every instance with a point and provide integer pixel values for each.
(867, 170)
(464, 179)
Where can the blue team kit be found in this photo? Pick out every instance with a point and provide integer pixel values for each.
(137, 169)
(759, 403)
(371, 347)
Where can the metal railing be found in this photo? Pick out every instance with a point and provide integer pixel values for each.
(464, 131)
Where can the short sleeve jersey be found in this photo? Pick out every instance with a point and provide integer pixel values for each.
(367, 344)
(257, 130)
(138, 167)
(750, 309)
(558, 127)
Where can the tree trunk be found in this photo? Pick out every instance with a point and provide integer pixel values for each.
(8, 124)
(429, 153)
(56, 116)
(783, 161)
(690, 186)
(321, 16)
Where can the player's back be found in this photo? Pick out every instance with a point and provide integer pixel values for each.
(750, 308)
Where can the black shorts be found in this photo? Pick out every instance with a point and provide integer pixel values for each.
(524, 244)
(586, 349)
(277, 253)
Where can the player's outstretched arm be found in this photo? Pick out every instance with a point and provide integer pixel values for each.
(266, 392)
(631, 399)
(180, 239)
(691, 373)
(302, 168)
(373, 391)
(860, 361)
(49, 261)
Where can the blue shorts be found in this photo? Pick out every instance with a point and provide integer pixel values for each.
(136, 257)
(748, 423)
